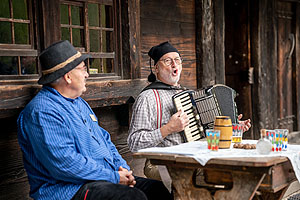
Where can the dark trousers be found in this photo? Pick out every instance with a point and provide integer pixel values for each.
(143, 189)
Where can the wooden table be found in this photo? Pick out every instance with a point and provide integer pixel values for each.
(231, 178)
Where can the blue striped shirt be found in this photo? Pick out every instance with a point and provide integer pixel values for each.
(64, 147)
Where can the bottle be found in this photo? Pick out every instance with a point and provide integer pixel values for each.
(263, 146)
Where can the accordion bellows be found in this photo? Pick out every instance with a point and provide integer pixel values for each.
(202, 106)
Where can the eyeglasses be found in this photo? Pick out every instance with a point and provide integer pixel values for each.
(169, 61)
(83, 68)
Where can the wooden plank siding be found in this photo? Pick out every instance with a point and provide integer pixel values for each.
(174, 22)
(13, 178)
(264, 60)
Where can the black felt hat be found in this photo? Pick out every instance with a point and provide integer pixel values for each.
(156, 52)
(58, 59)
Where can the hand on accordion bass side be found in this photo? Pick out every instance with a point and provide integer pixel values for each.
(247, 123)
(176, 123)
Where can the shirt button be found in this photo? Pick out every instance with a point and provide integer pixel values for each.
(90, 130)
(84, 121)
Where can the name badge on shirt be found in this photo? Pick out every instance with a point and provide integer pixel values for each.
(93, 117)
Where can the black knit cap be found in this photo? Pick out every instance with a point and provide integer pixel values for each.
(156, 52)
(58, 59)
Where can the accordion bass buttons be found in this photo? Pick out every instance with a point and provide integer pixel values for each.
(183, 102)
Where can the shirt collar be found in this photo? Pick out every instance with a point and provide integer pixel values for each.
(54, 91)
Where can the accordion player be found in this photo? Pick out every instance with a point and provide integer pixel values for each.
(202, 106)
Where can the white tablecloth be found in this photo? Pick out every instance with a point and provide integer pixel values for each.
(198, 150)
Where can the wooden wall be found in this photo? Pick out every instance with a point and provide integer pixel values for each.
(269, 77)
(172, 21)
(13, 178)
(195, 28)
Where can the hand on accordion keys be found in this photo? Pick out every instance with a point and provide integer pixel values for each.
(176, 123)
(247, 123)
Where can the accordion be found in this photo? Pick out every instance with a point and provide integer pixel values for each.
(202, 106)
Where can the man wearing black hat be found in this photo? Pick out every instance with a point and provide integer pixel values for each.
(67, 155)
(155, 121)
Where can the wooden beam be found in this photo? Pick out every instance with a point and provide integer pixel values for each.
(50, 21)
(206, 73)
(131, 38)
(264, 61)
(98, 94)
(18, 52)
(297, 68)
(219, 41)
(134, 36)
(116, 92)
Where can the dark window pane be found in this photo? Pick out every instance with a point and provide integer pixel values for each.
(8, 65)
(20, 9)
(65, 34)
(107, 16)
(28, 65)
(21, 33)
(75, 13)
(77, 37)
(94, 41)
(64, 14)
(93, 15)
(107, 41)
(4, 9)
(95, 66)
(107, 65)
(5, 32)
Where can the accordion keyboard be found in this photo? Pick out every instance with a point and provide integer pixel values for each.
(184, 102)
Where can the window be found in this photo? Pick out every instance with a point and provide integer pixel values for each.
(89, 26)
(17, 53)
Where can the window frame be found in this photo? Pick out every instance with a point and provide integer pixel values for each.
(39, 38)
(21, 50)
(86, 28)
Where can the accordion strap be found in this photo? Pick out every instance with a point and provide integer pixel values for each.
(162, 86)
